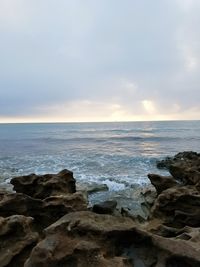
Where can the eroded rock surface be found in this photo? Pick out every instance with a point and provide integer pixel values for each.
(43, 186)
(178, 158)
(84, 239)
(15, 236)
(178, 206)
(46, 211)
(162, 183)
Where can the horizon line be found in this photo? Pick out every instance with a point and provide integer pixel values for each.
(73, 122)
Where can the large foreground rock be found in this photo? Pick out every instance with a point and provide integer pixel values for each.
(43, 186)
(15, 237)
(83, 239)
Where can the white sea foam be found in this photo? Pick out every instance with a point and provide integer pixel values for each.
(118, 154)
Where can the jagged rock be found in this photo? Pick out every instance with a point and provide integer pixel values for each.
(177, 252)
(83, 239)
(162, 183)
(178, 158)
(45, 211)
(165, 163)
(17, 203)
(178, 206)
(43, 186)
(15, 236)
(106, 207)
(187, 172)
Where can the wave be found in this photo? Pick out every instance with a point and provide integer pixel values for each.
(109, 139)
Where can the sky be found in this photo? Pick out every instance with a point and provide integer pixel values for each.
(106, 60)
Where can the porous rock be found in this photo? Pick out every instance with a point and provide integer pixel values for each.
(178, 206)
(45, 212)
(43, 186)
(178, 158)
(15, 236)
(162, 183)
(83, 239)
(187, 172)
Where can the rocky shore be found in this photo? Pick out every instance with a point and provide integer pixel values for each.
(46, 222)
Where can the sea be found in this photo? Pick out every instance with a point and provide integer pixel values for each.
(118, 154)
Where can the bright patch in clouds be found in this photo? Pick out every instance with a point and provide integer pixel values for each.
(149, 106)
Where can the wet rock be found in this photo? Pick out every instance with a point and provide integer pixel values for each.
(43, 186)
(162, 183)
(149, 196)
(106, 207)
(91, 188)
(15, 236)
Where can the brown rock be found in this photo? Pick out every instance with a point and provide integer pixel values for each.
(177, 252)
(106, 207)
(178, 158)
(187, 172)
(43, 186)
(83, 239)
(15, 236)
(162, 183)
(178, 206)
(45, 211)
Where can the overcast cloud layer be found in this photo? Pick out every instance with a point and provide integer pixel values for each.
(75, 60)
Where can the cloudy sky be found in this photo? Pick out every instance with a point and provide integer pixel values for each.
(105, 60)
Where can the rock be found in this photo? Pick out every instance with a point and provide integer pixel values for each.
(83, 239)
(178, 158)
(187, 172)
(177, 252)
(45, 211)
(178, 206)
(91, 188)
(149, 196)
(43, 186)
(165, 163)
(57, 206)
(15, 236)
(106, 207)
(162, 183)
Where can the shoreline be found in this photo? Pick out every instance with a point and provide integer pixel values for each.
(53, 226)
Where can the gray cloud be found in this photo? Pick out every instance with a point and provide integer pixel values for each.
(104, 58)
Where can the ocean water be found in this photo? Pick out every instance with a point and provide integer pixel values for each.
(119, 154)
